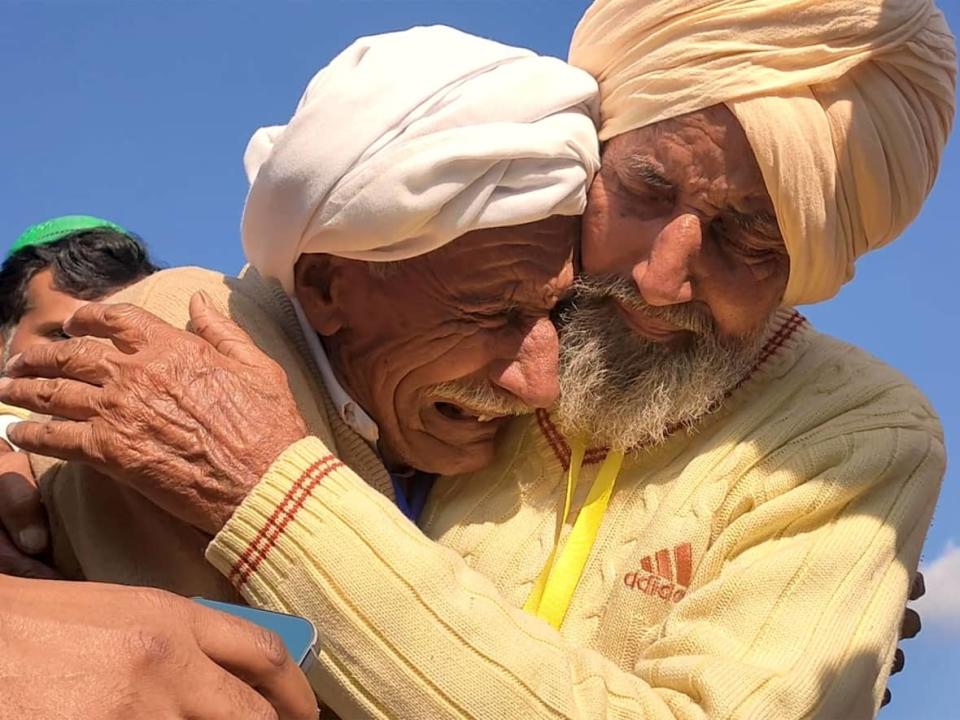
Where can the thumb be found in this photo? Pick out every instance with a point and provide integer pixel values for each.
(208, 323)
(21, 511)
(13, 562)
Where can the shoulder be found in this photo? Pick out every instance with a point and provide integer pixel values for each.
(856, 391)
(167, 293)
(832, 422)
(247, 300)
(808, 383)
(829, 409)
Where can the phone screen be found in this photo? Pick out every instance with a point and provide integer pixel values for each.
(298, 634)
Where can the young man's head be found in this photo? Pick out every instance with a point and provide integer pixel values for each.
(58, 266)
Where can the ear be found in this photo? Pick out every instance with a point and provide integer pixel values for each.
(317, 280)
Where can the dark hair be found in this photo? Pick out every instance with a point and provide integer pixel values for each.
(87, 264)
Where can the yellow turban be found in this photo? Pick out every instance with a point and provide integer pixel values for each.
(847, 105)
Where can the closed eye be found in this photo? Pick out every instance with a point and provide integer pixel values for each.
(495, 316)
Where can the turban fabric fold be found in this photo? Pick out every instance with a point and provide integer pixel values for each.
(409, 140)
(847, 105)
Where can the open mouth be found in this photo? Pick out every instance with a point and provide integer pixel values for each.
(460, 413)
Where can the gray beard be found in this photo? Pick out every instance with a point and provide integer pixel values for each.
(623, 391)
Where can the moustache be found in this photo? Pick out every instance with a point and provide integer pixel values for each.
(604, 289)
(479, 398)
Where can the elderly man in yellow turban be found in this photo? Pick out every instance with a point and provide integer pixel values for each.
(721, 517)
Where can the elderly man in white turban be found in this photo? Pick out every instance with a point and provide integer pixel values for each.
(425, 231)
(735, 539)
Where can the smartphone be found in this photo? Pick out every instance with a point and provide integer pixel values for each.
(298, 634)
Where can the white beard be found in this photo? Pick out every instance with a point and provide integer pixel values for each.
(623, 391)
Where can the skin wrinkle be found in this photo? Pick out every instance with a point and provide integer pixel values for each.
(465, 321)
(679, 285)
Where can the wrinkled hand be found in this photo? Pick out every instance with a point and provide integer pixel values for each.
(909, 628)
(105, 652)
(23, 523)
(190, 420)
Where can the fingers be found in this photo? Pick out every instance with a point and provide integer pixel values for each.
(221, 696)
(899, 660)
(259, 658)
(62, 439)
(126, 326)
(21, 512)
(61, 398)
(13, 562)
(908, 628)
(79, 359)
(917, 587)
(220, 331)
(886, 697)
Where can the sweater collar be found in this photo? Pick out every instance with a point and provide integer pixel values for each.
(349, 410)
(782, 335)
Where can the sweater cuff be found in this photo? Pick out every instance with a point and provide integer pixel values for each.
(258, 525)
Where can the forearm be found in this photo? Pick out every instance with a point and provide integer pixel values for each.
(408, 630)
(403, 622)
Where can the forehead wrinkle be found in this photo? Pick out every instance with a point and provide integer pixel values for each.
(501, 262)
(535, 288)
(711, 171)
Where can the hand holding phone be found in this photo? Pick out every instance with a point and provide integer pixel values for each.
(298, 634)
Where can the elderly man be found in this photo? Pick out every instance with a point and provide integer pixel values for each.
(746, 562)
(428, 255)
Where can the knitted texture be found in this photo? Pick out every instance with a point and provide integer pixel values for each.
(104, 531)
(756, 568)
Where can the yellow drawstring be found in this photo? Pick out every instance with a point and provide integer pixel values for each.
(554, 588)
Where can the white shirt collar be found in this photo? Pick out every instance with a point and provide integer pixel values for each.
(349, 410)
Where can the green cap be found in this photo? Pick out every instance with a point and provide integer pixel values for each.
(58, 228)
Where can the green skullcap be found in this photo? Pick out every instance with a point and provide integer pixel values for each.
(58, 228)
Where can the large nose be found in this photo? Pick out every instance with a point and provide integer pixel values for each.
(665, 276)
(532, 373)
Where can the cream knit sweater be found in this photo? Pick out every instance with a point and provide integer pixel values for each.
(757, 568)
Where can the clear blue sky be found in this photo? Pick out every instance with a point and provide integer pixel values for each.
(139, 111)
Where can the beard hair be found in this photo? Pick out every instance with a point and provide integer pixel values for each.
(624, 391)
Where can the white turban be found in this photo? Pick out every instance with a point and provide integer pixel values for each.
(409, 140)
(847, 105)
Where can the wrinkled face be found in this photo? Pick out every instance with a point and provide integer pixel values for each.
(681, 211)
(442, 349)
(683, 267)
(47, 309)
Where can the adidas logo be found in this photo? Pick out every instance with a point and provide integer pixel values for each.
(664, 574)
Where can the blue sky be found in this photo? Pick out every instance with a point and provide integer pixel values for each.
(139, 111)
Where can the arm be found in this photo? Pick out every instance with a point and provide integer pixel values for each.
(407, 629)
(412, 632)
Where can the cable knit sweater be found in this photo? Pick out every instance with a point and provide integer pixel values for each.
(755, 568)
